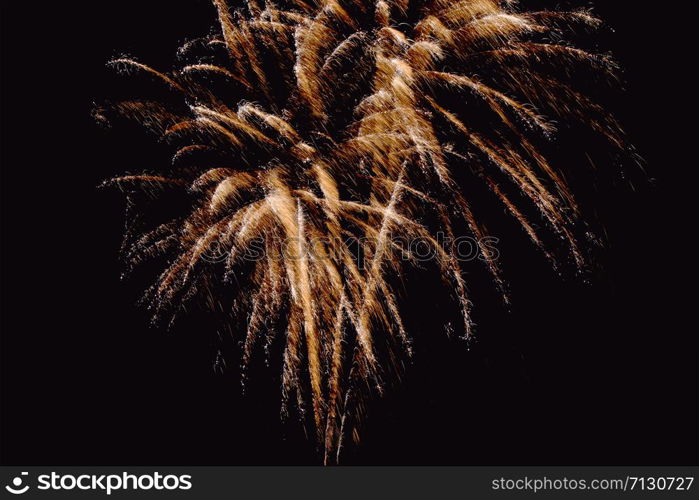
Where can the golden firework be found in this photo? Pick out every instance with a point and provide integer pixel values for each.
(320, 129)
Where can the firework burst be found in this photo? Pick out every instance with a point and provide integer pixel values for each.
(318, 130)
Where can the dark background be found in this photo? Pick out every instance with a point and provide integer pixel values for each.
(601, 370)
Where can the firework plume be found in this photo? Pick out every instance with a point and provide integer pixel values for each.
(319, 130)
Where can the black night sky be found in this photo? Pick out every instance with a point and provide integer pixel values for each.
(595, 370)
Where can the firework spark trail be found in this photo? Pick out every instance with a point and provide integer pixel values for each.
(331, 119)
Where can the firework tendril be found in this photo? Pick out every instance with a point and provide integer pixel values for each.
(321, 122)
